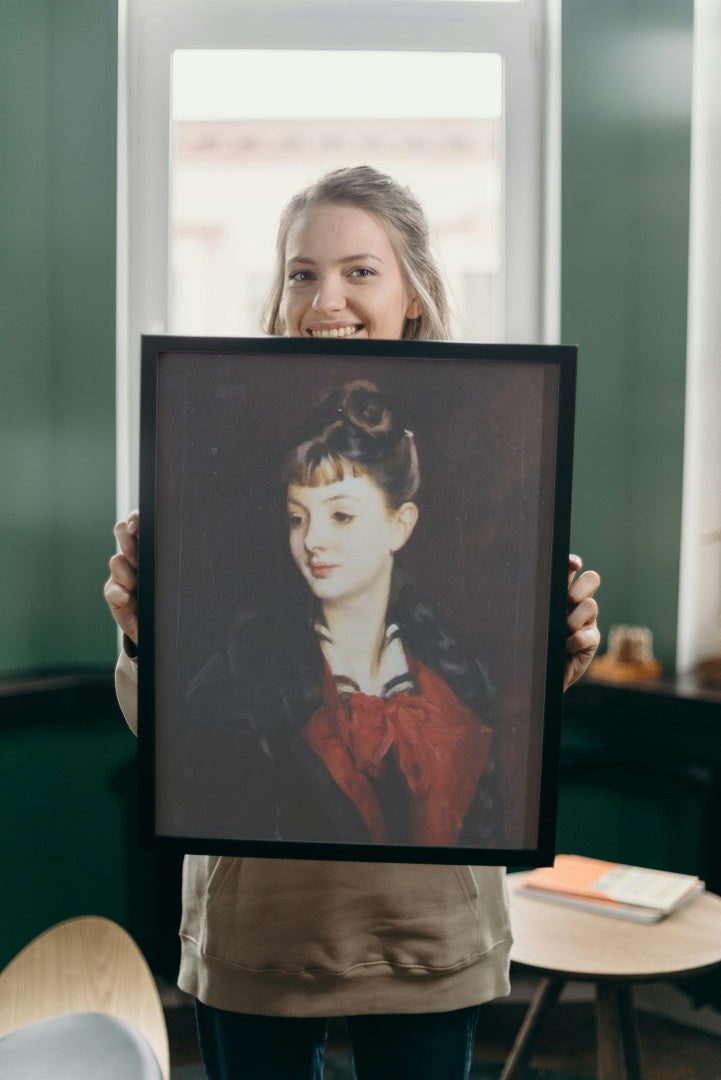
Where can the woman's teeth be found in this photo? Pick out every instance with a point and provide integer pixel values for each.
(337, 331)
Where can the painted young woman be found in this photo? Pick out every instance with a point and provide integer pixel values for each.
(399, 742)
(271, 948)
(338, 709)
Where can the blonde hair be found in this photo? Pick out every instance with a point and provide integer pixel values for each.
(403, 217)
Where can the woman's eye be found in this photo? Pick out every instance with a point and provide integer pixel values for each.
(362, 272)
(300, 276)
(294, 520)
(342, 518)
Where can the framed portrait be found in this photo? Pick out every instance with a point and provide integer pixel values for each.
(353, 571)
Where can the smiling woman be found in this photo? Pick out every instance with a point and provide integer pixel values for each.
(353, 259)
(336, 294)
(280, 737)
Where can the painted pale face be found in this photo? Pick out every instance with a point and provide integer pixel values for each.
(343, 536)
(342, 277)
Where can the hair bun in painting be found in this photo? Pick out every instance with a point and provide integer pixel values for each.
(359, 427)
(370, 410)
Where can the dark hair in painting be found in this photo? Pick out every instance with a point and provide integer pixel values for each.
(356, 430)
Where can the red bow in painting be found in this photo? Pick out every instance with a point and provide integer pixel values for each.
(439, 746)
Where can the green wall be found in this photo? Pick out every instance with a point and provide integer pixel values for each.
(58, 72)
(641, 779)
(626, 145)
(67, 769)
(69, 808)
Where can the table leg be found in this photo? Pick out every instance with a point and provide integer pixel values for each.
(617, 1033)
(545, 997)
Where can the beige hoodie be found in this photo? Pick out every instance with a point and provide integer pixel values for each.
(285, 937)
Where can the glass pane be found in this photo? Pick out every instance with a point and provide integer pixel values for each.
(250, 128)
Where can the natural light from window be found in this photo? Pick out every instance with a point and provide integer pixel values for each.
(251, 127)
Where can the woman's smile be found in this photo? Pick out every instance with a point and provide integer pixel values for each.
(335, 331)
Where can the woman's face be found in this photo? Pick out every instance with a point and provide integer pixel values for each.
(343, 536)
(342, 277)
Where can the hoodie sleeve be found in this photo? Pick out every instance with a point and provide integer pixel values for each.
(126, 688)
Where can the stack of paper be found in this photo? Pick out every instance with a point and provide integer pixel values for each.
(624, 892)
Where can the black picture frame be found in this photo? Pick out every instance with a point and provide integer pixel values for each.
(493, 425)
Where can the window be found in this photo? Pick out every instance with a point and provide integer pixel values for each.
(215, 135)
(236, 161)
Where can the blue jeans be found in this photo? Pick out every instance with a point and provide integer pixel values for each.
(415, 1046)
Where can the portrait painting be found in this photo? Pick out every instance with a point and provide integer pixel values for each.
(352, 597)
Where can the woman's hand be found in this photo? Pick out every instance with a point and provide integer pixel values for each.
(121, 587)
(583, 636)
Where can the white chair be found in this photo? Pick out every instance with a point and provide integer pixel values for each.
(80, 1002)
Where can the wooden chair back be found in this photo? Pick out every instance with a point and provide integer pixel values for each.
(87, 964)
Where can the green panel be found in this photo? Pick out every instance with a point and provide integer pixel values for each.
(62, 785)
(68, 798)
(626, 160)
(82, 304)
(66, 773)
(632, 819)
(649, 793)
(26, 490)
(57, 325)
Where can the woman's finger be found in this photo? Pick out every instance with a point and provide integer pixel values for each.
(575, 563)
(126, 533)
(123, 607)
(584, 586)
(123, 572)
(585, 640)
(582, 614)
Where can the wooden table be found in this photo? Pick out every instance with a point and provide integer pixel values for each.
(563, 944)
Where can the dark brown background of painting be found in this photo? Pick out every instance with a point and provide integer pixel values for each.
(481, 552)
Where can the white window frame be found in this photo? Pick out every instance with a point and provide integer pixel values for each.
(699, 597)
(526, 34)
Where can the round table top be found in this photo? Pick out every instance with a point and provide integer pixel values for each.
(559, 940)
